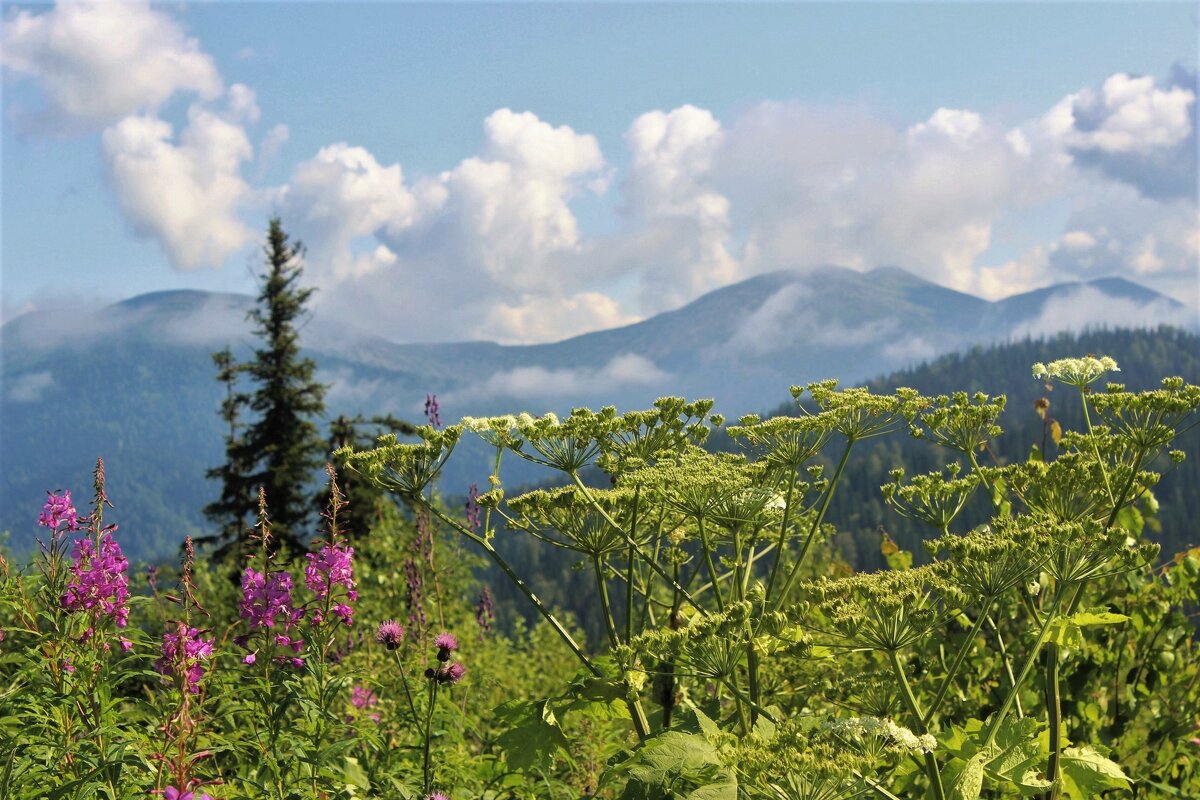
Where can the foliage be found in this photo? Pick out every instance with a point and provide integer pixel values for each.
(1043, 650)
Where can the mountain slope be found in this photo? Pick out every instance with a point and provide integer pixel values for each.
(134, 381)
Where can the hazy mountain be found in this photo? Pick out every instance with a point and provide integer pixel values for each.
(134, 381)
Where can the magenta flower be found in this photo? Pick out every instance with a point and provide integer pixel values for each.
(453, 673)
(328, 567)
(265, 598)
(59, 511)
(437, 796)
(98, 580)
(391, 634)
(171, 793)
(188, 660)
(445, 644)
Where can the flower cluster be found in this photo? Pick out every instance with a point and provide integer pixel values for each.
(329, 567)
(1075, 371)
(264, 599)
(432, 411)
(98, 580)
(895, 738)
(59, 512)
(474, 519)
(171, 793)
(185, 650)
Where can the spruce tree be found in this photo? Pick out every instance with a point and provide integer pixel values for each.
(281, 449)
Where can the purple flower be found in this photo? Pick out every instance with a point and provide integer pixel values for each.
(265, 598)
(474, 518)
(436, 796)
(98, 580)
(445, 644)
(362, 698)
(171, 793)
(484, 611)
(59, 511)
(328, 567)
(453, 673)
(390, 634)
(431, 411)
(187, 659)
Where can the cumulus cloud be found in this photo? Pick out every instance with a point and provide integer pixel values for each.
(184, 194)
(97, 62)
(624, 370)
(1134, 130)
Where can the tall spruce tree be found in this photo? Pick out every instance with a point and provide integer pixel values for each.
(280, 450)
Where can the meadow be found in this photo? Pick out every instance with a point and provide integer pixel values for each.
(1049, 651)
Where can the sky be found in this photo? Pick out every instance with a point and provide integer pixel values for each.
(528, 172)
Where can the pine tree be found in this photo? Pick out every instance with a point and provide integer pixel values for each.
(281, 449)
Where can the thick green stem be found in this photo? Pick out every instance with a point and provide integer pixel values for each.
(816, 526)
(783, 527)
(958, 660)
(910, 700)
(1054, 718)
(1012, 681)
(654, 565)
(1030, 660)
(709, 565)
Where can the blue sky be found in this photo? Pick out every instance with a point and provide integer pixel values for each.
(528, 172)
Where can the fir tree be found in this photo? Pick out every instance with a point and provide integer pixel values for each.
(281, 449)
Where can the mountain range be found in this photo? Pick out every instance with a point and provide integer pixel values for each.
(134, 381)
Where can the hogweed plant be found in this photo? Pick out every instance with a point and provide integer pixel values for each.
(946, 681)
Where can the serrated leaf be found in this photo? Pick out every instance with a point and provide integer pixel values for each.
(964, 779)
(534, 738)
(1086, 772)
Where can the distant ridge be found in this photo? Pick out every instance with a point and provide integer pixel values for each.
(134, 381)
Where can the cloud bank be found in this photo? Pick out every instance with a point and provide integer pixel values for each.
(493, 246)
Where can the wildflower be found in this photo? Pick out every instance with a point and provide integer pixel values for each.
(1075, 371)
(436, 796)
(453, 673)
(98, 580)
(485, 611)
(390, 634)
(171, 793)
(58, 512)
(328, 567)
(432, 411)
(362, 698)
(474, 519)
(445, 644)
(185, 650)
(266, 597)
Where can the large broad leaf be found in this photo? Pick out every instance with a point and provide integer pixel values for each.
(533, 738)
(678, 765)
(1087, 771)
(1014, 758)
(963, 780)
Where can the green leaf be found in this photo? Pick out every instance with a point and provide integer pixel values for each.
(1086, 772)
(678, 765)
(355, 775)
(534, 738)
(963, 780)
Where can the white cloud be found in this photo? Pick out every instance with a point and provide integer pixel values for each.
(99, 61)
(1089, 307)
(1128, 114)
(624, 370)
(541, 319)
(184, 194)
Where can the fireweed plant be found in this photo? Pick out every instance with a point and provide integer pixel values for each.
(742, 673)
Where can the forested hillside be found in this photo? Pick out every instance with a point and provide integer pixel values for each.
(858, 509)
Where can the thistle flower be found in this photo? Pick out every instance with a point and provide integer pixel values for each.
(58, 512)
(98, 580)
(445, 644)
(436, 796)
(390, 635)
